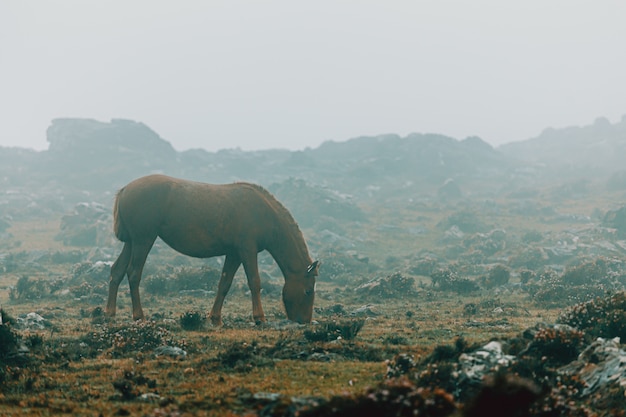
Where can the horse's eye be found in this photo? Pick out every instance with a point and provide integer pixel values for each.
(308, 292)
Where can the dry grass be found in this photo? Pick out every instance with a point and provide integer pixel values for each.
(200, 385)
(36, 235)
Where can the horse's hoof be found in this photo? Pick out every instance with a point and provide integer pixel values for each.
(216, 321)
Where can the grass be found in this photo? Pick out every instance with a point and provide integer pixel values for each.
(201, 385)
(265, 359)
(36, 234)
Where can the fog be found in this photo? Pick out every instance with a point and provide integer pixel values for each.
(282, 74)
(424, 240)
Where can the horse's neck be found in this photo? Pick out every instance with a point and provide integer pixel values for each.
(290, 252)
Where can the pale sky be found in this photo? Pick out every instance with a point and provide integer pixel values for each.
(292, 74)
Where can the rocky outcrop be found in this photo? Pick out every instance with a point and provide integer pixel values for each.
(417, 159)
(88, 152)
(595, 149)
(91, 137)
(97, 157)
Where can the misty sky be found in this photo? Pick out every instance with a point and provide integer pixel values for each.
(292, 74)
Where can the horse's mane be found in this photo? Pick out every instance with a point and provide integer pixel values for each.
(282, 213)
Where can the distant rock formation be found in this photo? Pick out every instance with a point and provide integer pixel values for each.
(596, 149)
(312, 205)
(87, 156)
(94, 137)
(417, 160)
(87, 151)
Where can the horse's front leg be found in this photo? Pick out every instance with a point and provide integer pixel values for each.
(118, 271)
(254, 283)
(231, 264)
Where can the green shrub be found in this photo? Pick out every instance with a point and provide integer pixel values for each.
(27, 289)
(448, 280)
(192, 320)
(497, 276)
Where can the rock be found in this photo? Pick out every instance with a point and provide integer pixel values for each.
(104, 156)
(91, 272)
(67, 135)
(365, 311)
(31, 321)
(476, 365)
(200, 293)
(324, 357)
(601, 366)
(171, 351)
(149, 397)
(283, 325)
(453, 234)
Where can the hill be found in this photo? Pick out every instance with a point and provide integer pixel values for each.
(92, 158)
(585, 151)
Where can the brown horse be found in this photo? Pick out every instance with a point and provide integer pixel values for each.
(204, 220)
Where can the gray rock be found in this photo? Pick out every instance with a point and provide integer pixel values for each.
(600, 366)
(171, 351)
(31, 321)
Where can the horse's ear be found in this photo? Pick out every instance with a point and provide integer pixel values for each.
(313, 269)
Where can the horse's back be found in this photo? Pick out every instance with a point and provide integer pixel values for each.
(198, 219)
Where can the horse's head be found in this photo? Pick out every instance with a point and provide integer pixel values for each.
(299, 294)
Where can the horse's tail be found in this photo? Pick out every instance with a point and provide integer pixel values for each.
(118, 223)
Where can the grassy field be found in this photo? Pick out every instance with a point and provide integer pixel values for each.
(201, 384)
(83, 364)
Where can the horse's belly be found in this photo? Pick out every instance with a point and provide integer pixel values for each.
(198, 245)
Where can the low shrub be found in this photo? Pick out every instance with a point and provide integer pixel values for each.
(600, 317)
(192, 320)
(333, 330)
(448, 280)
(498, 275)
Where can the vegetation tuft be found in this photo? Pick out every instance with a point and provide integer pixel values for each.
(556, 345)
(601, 317)
(498, 275)
(335, 329)
(578, 284)
(127, 340)
(192, 320)
(446, 279)
(392, 286)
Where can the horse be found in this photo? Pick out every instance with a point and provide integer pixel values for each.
(201, 220)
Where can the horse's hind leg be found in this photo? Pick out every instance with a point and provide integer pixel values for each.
(138, 257)
(231, 264)
(118, 271)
